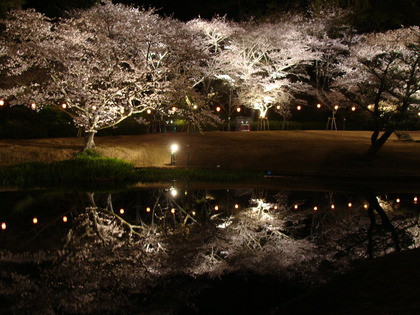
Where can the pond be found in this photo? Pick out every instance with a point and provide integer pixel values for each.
(191, 248)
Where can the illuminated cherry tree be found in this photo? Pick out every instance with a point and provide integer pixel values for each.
(100, 66)
(259, 61)
(382, 77)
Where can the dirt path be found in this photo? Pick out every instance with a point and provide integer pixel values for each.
(306, 152)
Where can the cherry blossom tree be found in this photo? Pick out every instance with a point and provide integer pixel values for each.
(382, 77)
(101, 65)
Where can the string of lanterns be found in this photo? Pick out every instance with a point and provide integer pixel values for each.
(217, 208)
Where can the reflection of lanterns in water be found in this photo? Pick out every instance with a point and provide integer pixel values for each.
(34, 220)
(236, 206)
(65, 219)
(315, 208)
(148, 209)
(173, 210)
(332, 206)
(349, 205)
(3, 226)
(296, 206)
(122, 211)
(216, 208)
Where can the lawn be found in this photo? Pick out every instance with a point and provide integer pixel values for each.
(330, 153)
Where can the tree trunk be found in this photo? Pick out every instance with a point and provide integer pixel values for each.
(89, 142)
(376, 144)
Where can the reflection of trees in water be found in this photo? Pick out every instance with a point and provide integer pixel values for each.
(111, 257)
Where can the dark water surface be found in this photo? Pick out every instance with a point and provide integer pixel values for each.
(187, 248)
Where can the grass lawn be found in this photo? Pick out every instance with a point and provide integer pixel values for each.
(330, 153)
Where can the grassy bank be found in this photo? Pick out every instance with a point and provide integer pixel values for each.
(91, 168)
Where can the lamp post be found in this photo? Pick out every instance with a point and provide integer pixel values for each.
(174, 148)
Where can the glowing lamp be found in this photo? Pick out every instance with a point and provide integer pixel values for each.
(195, 107)
(353, 108)
(3, 226)
(65, 219)
(299, 107)
(398, 200)
(415, 199)
(148, 209)
(349, 205)
(218, 109)
(315, 208)
(94, 107)
(336, 107)
(174, 148)
(238, 109)
(296, 207)
(318, 105)
(276, 207)
(33, 106)
(193, 213)
(173, 192)
(64, 106)
(174, 108)
(216, 208)
(236, 206)
(34, 220)
(1, 102)
(122, 211)
(370, 106)
(418, 113)
(148, 111)
(173, 210)
(278, 106)
(332, 206)
(365, 206)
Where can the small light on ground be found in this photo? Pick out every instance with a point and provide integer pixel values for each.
(35, 220)
(122, 211)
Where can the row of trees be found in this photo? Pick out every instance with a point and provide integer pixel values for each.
(106, 63)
